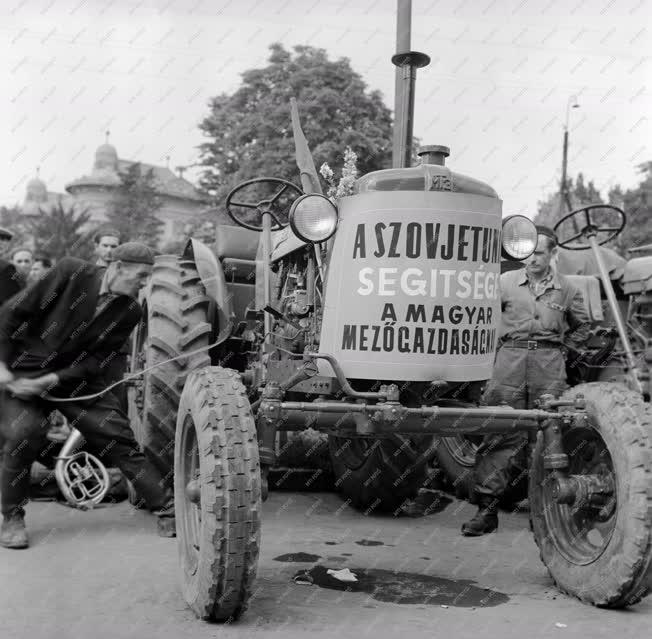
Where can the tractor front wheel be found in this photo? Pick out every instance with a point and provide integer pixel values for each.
(217, 491)
(599, 549)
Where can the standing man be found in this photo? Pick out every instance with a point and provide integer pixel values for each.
(541, 312)
(9, 281)
(106, 241)
(41, 265)
(22, 259)
(56, 339)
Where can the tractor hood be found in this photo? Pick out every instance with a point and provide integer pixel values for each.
(413, 286)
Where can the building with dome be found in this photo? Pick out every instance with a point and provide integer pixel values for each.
(180, 200)
(38, 198)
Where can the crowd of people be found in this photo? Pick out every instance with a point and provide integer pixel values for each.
(29, 266)
(26, 265)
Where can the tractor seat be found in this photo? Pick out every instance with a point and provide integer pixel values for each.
(235, 242)
(236, 248)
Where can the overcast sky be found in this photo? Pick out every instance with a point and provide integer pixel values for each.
(496, 91)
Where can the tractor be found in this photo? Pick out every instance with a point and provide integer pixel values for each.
(373, 320)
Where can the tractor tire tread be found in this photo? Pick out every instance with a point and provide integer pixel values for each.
(194, 302)
(171, 315)
(174, 309)
(195, 333)
(227, 442)
(172, 287)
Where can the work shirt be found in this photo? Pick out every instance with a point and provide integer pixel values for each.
(550, 310)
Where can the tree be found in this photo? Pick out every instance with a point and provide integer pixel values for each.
(59, 232)
(580, 194)
(637, 204)
(132, 208)
(251, 134)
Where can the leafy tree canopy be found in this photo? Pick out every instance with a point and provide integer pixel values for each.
(637, 204)
(132, 209)
(250, 132)
(581, 194)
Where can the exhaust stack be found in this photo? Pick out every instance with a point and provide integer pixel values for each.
(407, 63)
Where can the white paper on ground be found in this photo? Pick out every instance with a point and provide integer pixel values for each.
(342, 575)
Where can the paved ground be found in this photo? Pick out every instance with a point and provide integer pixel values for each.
(105, 574)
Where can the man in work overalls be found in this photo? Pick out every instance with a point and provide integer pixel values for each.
(541, 313)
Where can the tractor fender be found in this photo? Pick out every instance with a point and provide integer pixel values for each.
(212, 277)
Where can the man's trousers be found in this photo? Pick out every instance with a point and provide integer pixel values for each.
(24, 424)
(116, 370)
(520, 377)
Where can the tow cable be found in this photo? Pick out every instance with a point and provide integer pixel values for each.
(83, 398)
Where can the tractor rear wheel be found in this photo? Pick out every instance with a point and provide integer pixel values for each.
(456, 457)
(379, 474)
(600, 553)
(175, 321)
(217, 491)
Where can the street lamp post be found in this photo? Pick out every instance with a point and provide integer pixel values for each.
(563, 185)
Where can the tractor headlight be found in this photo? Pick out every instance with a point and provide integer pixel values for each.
(519, 237)
(313, 218)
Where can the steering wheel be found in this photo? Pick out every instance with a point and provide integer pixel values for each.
(270, 205)
(592, 227)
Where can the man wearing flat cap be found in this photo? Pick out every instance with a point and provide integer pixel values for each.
(9, 280)
(56, 340)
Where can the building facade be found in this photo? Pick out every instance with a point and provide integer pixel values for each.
(38, 198)
(181, 202)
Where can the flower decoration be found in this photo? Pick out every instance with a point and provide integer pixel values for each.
(347, 180)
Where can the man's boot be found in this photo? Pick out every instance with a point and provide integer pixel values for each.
(166, 523)
(13, 533)
(166, 527)
(484, 521)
